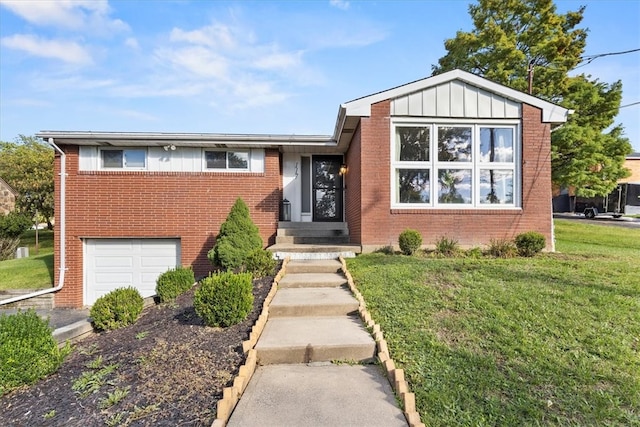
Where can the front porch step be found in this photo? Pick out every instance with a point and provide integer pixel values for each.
(313, 252)
(291, 225)
(312, 280)
(314, 339)
(313, 240)
(306, 232)
(291, 302)
(314, 266)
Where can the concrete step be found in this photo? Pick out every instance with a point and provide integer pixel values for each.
(313, 302)
(318, 396)
(304, 232)
(314, 339)
(314, 225)
(312, 280)
(314, 266)
(315, 240)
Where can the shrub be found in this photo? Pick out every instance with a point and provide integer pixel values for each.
(387, 250)
(261, 263)
(502, 248)
(530, 243)
(174, 282)
(474, 253)
(447, 247)
(409, 241)
(118, 308)
(28, 350)
(238, 238)
(224, 299)
(12, 226)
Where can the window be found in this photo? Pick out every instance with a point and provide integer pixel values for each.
(226, 160)
(454, 165)
(123, 159)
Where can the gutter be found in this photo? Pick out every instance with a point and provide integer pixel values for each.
(63, 268)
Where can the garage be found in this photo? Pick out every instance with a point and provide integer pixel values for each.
(115, 263)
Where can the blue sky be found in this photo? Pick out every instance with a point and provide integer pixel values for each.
(245, 67)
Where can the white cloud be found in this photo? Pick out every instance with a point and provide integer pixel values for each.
(340, 4)
(79, 15)
(213, 36)
(64, 50)
(132, 42)
(279, 60)
(196, 59)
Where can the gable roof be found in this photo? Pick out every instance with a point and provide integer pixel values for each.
(4, 184)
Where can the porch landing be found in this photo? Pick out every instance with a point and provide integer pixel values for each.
(314, 251)
(313, 240)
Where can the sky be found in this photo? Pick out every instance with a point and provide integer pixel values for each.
(261, 67)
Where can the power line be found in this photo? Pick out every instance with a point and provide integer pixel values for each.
(590, 58)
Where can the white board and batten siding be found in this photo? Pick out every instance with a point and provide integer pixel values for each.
(455, 99)
(116, 263)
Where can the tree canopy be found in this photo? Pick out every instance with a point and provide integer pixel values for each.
(511, 37)
(27, 166)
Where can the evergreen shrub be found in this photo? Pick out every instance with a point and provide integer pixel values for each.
(12, 226)
(530, 243)
(409, 241)
(118, 308)
(261, 263)
(224, 299)
(174, 282)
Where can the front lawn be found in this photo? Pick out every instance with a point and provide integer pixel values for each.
(551, 340)
(34, 272)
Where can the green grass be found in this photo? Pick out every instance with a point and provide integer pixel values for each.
(34, 272)
(550, 340)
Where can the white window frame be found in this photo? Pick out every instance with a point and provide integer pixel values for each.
(227, 168)
(124, 158)
(475, 166)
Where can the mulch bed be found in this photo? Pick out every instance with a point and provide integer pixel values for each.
(173, 367)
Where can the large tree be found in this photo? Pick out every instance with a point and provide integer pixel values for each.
(513, 40)
(27, 166)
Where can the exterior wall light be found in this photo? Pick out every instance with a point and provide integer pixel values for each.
(343, 169)
(169, 147)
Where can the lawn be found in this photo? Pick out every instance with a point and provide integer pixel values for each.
(34, 272)
(550, 340)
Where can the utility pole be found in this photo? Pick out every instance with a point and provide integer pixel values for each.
(530, 71)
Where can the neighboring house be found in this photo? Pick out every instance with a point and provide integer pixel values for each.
(451, 155)
(632, 162)
(7, 198)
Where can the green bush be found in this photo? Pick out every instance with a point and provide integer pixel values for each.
(474, 253)
(238, 238)
(261, 263)
(174, 282)
(409, 241)
(386, 250)
(530, 243)
(224, 299)
(447, 247)
(118, 308)
(502, 248)
(28, 350)
(12, 226)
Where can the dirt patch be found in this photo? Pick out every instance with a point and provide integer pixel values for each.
(166, 370)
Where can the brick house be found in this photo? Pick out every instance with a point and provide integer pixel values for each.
(451, 155)
(7, 198)
(632, 162)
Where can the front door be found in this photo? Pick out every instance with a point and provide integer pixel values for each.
(327, 188)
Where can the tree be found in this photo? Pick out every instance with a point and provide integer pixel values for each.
(27, 166)
(511, 37)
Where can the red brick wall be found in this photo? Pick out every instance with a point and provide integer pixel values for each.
(353, 183)
(189, 206)
(381, 225)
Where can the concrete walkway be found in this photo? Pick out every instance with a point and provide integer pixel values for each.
(313, 322)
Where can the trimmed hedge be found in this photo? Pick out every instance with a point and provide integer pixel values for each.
(174, 282)
(224, 299)
(118, 308)
(410, 241)
(530, 243)
(28, 350)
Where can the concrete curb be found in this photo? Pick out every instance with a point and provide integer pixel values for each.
(231, 395)
(394, 375)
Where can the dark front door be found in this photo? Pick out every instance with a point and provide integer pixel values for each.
(327, 188)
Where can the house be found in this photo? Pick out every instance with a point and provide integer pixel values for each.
(7, 198)
(451, 155)
(632, 162)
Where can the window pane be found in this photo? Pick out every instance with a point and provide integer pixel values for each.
(413, 186)
(496, 144)
(111, 158)
(135, 158)
(454, 144)
(496, 186)
(216, 159)
(238, 160)
(413, 144)
(454, 186)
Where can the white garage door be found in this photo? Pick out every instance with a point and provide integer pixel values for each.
(114, 263)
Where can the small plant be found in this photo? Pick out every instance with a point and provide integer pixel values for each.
(224, 299)
(502, 248)
(410, 241)
(95, 363)
(28, 350)
(49, 415)
(238, 238)
(261, 263)
(530, 243)
(174, 282)
(474, 253)
(118, 308)
(447, 247)
(387, 250)
(114, 397)
(115, 419)
(90, 381)
(142, 335)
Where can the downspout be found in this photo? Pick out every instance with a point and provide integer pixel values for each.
(63, 268)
